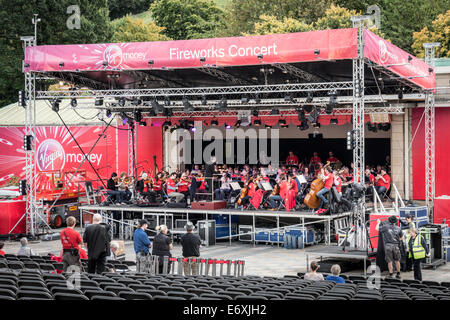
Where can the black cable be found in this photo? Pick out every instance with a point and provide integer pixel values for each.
(84, 117)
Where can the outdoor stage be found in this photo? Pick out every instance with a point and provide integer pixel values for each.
(304, 218)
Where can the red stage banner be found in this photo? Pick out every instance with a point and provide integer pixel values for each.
(386, 54)
(233, 51)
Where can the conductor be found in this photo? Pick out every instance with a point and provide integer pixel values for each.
(209, 172)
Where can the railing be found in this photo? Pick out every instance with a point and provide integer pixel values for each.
(378, 204)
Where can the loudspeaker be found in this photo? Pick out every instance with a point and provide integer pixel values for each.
(207, 232)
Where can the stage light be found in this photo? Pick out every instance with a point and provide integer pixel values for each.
(255, 112)
(313, 117)
(222, 105)
(350, 140)
(331, 104)
(55, 105)
(257, 99)
(108, 113)
(166, 101)
(400, 93)
(22, 99)
(105, 63)
(244, 100)
(268, 126)
(23, 187)
(143, 123)
(308, 108)
(122, 102)
(227, 126)
(334, 121)
(202, 59)
(409, 59)
(260, 56)
(73, 103)
(316, 125)
(167, 123)
(304, 126)
(61, 64)
(124, 117)
(99, 101)
(167, 112)
(137, 116)
(188, 107)
(204, 100)
(28, 142)
(301, 115)
(156, 106)
(288, 98)
(237, 124)
(316, 52)
(151, 62)
(152, 113)
(275, 111)
(136, 102)
(214, 122)
(309, 98)
(385, 126)
(372, 127)
(257, 123)
(282, 122)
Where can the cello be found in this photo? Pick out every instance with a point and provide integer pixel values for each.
(244, 192)
(311, 199)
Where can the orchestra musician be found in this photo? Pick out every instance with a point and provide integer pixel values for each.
(383, 182)
(291, 193)
(143, 183)
(225, 188)
(183, 186)
(292, 159)
(328, 178)
(337, 181)
(172, 188)
(112, 190)
(332, 159)
(315, 160)
(124, 184)
(275, 199)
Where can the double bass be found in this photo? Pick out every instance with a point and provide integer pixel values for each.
(244, 192)
(311, 199)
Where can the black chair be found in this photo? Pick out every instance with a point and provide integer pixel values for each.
(33, 294)
(165, 288)
(103, 284)
(91, 293)
(117, 289)
(53, 276)
(47, 267)
(222, 286)
(250, 297)
(7, 292)
(167, 298)
(15, 265)
(6, 297)
(136, 287)
(152, 292)
(69, 296)
(266, 295)
(217, 296)
(127, 295)
(200, 291)
(65, 290)
(8, 281)
(204, 299)
(32, 283)
(431, 283)
(186, 295)
(103, 297)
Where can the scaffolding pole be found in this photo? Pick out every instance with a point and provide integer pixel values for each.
(430, 50)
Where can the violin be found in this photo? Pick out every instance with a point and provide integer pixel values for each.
(244, 192)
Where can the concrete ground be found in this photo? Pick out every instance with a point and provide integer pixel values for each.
(260, 260)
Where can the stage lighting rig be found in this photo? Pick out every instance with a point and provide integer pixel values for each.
(309, 98)
(167, 112)
(372, 127)
(222, 105)
(244, 100)
(334, 121)
(301, 115)
(255, 112)
(332, 103)
(99, 101)
(204, 100)
(22, 102)
(188, 107)
(227, 126)
(275, 112)
(122, 102)
(124, 117)
(313, 117)
(55, 105)
(214, 122)
(108, 113)
(156, 106)
(28, 142)
(167, 101)
(400, 93)
(257, 99)
(137, 116)
(282, 123)
(257, 123)
(73, 103)
(136, 102)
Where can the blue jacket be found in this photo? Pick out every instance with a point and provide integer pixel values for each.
(335, 279)
(141, 241)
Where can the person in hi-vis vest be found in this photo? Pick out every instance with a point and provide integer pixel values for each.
(418, 250)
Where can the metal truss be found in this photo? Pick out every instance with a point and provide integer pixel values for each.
(219, 74)
(198, 91)
(297, 72)
(430, 134)
(145, 76)
(393, 76)
(78, 78)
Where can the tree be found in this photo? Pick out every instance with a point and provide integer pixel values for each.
(121, 8)
(16, 21)
(335, 18)
(242, 15)
(129, 29)
(438, 32)
(271, 25)
(188, 19)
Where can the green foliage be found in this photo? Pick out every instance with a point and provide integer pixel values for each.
(188, 19)
(129, 29)
(242, 15)
(121, 8)
(335, 18)
(16, 21)
(271, 25)
(438, 32)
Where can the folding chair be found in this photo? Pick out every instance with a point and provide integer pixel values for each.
(135, 295)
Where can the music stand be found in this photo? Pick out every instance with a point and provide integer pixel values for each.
(301, 179)
(266, 186)
(235, 186)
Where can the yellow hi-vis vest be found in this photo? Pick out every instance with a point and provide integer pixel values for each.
(418, 252)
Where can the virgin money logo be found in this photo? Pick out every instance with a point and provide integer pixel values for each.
(113, 54)
(384, 55)
(50, 155)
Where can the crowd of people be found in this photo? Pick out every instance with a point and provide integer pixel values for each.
(288, 184)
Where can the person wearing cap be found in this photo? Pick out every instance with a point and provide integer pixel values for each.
(142, 246)
(162, 245)
(392, 235)
(190, 243)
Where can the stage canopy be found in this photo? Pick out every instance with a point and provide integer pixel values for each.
(315, 56)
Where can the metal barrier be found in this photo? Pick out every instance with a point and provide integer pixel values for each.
(202, 266)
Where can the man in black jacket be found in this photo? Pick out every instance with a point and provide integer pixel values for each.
(112, 191)
(191, 249)
(97, 239)
(209, 172)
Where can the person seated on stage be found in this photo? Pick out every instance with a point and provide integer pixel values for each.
(252, 186)
(183, 186)
(196, 169)
(236, 175)
(309, 176)
(224, 190)
(347, 177)
(157, 183)
(331, 158)
(369, 179)
(291, 159)
(291, 193)
(198, 185)
(314, 275)
(113, 192)
(315, 159)
(328, 178)
(337, 181)
(264, 176)
(378, 170)
(275, 199)
(248, 169)
(383, 182)
(230, 172)
(335, 272)
(124, 183)
(271, 170)
(280, 174)
(144, 183)
(172, 189)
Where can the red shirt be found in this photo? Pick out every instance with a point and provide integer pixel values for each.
(338, 184)
(183, 186)
(329, 180)
(315, 160)
(157, 185)
(333, 159)
(70, 239)
(387, 184)
(170, 183)
(202, 185)
(294, 186)
(2, 253)
(283, 188)
(292, 159)
(251, 189)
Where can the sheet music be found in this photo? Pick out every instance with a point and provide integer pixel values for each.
(301, 179)
(267, 186)
(235, 186)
